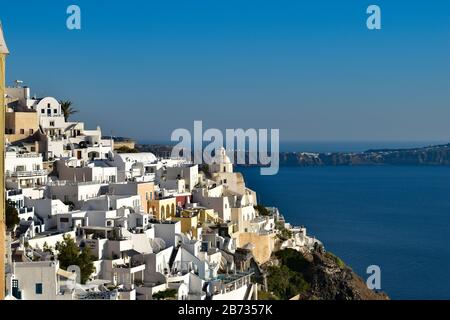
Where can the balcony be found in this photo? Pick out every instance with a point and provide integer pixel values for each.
(28, 155)
(60, 183)
(129, 268)
(23, 174)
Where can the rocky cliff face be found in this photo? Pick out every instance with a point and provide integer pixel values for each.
(330, 279)
(313, 275)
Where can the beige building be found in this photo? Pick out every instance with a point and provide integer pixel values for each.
(20, 125)
(261, 244)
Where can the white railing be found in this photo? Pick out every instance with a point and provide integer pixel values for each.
(20, 174)
(28, 155)
(58, 183)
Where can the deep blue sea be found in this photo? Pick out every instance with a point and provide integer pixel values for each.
(396, 217)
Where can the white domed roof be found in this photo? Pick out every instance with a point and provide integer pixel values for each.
(222, 156)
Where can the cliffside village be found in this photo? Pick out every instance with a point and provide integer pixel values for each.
(152, 225)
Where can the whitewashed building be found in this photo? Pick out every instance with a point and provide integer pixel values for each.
(24, 170)
(135, 166)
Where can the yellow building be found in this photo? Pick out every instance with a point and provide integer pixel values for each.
(163, 208)
(3, 53)
(189, 223)
(193, 219)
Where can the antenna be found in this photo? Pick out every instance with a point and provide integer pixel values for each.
(18, 83)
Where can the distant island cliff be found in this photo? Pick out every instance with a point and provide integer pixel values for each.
(430, 155)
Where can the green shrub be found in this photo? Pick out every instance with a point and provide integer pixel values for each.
(70, 254)
(166, 294)
(336, 259)
(12, 215)
(285, 283)
(262, 210)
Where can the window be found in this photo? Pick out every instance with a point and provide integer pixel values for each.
(42, 111)
(15, 289)
(55, 110)
(49, 111)
(64, 220)
(22, 131)
(33, 149)
(52, 123)
(48, 105)
(30, 131)
(38, 288)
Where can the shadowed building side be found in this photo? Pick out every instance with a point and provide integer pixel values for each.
(3, 53)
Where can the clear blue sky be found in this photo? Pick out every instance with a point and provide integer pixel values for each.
(310, 68)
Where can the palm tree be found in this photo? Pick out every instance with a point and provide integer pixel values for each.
(67, 109)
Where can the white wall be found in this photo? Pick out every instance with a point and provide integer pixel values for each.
(50, 240)
(26, 162)
(47, 209)
(75, 192)
(29, 274)
(167, 232)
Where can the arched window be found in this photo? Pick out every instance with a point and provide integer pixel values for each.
(162, 213)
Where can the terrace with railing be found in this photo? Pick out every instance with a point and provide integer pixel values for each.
(225, 283)
(61, 183)
(28, 155)
(22, 174)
